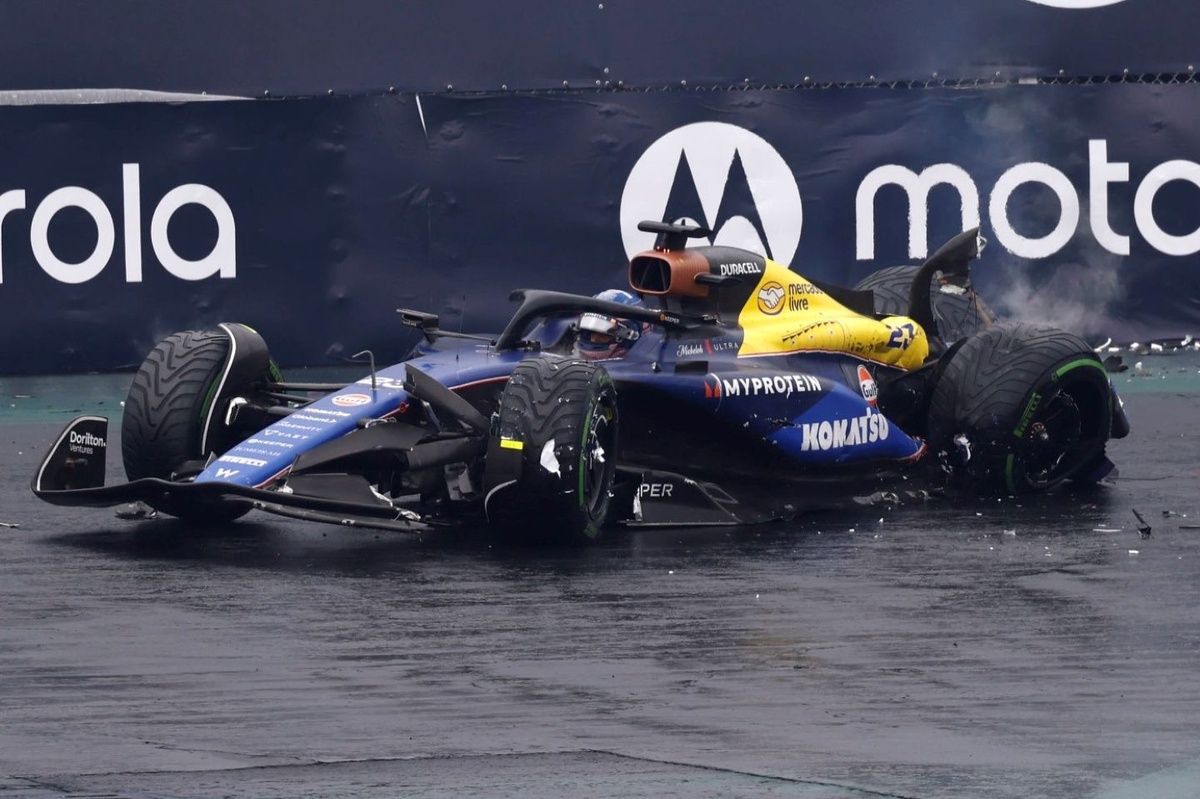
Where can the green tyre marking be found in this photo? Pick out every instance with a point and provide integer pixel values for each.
(583, 440)
(1092, 362)
(590, 530)
(1030, 407)
(209, 397)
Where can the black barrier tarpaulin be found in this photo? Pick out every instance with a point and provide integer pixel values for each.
(310, 47)
(1090, 196)
(117, 222)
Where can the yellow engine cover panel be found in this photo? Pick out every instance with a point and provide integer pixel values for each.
(786, 313)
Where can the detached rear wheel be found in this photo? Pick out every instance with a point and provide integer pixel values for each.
(552, 462)
(1020, 408)
(172, 421)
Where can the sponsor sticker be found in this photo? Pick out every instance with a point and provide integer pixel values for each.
(351, 400)
(276, 432)
(242, 461)
(273, 443)
(272, 453)
(304, 417)
(740, 269)
(289, 421)
(655, 490)
(718, 387)
(797, 295)
(770, 297)
(86, 443)
(705, 347)
(840, 433)
(310, 411)
(382, 381)
(866, 384)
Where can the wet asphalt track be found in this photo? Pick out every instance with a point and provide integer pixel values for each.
(999, 649)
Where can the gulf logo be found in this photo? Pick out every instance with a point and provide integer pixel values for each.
(866, 384)
(351, 400)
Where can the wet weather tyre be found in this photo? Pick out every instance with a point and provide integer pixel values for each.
(1020, 408)
(957, 315)
(163, 423)
(557, 425)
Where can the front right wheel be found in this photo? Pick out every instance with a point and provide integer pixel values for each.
(552, 458)
(1020, 408)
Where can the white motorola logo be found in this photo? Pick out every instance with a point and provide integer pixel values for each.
(1076, 3)
(722, 177)
(221, 259)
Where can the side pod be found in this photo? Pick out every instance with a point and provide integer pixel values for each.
(77, 459)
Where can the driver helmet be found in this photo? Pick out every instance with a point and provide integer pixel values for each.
(606, 336)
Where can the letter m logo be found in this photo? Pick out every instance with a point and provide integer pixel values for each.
(917, 187)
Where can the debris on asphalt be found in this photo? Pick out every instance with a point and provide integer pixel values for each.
(879, 498)
(1143, 528)
(136, 511)
(9, 525)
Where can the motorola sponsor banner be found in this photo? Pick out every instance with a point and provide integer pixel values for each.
(310, 47)
(313, 220)
(1089, 195)
(120, 224)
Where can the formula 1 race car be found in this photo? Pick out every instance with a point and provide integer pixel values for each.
(734, 391)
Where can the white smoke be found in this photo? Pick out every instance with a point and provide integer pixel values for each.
(1075, 296)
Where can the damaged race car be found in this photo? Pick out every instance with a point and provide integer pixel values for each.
(722, 389)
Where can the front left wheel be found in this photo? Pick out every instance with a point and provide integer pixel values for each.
(552, 458)
(174, 412)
